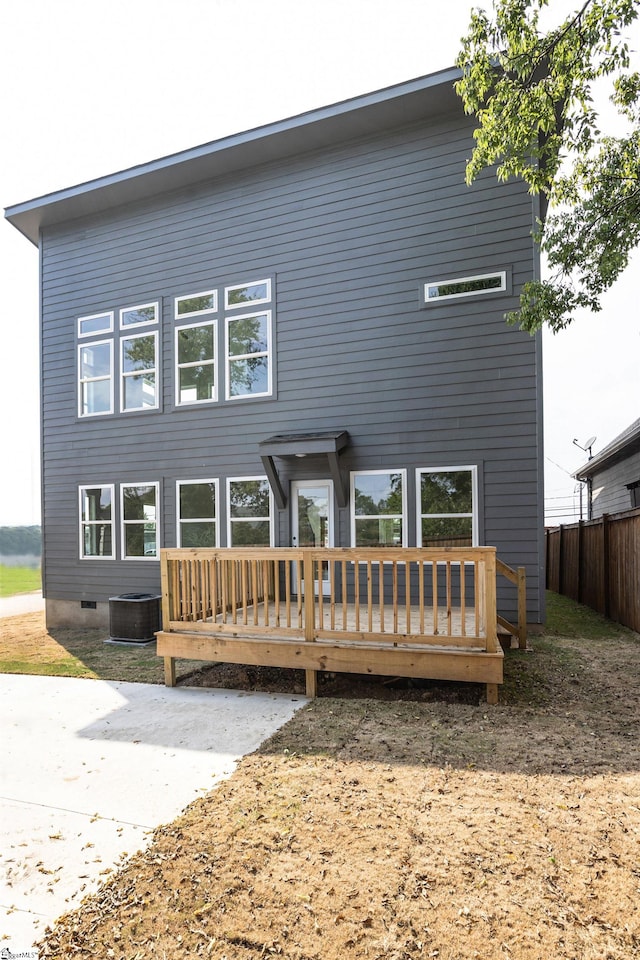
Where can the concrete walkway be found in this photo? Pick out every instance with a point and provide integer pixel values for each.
(89, 768)
(21, 603)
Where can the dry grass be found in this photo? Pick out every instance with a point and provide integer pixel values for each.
(397, 830)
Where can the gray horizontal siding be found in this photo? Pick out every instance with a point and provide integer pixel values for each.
(610, 494)
(349, 233)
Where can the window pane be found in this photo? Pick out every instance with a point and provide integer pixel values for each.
(198, 534)
(139, 391)
(248, 376)
(137, 315)
(97, 540)
(95, 361)
(447, 532)
(139, 503)
(252, 533)
(248, 294)
(378, 493)
(203, 301)
(96, 396)
(379, 532)
(196, 383)
(249, 498)
(248, 335)
(197, 501)
(195, 344)
(450, 492)
(96, 504)
(139, 353)
(98, 324)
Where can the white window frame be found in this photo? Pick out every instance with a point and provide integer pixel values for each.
(199, 363)
(84, 523)
(231, 520)
(249, 305)
(471, 468)
(196, 313)
(246, 356)
(179, 519)
(467, 293)
(124, 523)
(108, 314)
(83, 380)
(142, 323)
(136, 373)
(390, 516)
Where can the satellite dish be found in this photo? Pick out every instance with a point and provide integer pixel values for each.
(589, 443)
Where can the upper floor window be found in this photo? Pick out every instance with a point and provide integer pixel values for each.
(139, 316)
(196, 304)
(140, 525)
(248, 350)
(258, 291)
(139, 361)
(96, 522)
(483, 283)
(95, 378)
(195, 351)
(197, 513)
(378, 505)
(97, 323)
(249, 512)
(447, 507)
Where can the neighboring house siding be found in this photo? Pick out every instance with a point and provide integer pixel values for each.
(349, 234)
(609, 491)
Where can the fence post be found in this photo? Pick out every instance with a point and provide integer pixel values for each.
(606, 556)
(560, 559)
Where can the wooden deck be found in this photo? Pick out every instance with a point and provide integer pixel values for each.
(393, 612)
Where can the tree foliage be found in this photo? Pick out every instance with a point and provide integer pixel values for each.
(532, 91)
(20, 541)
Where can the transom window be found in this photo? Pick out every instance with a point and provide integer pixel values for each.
(196, 304)
(258, 291)
(97, 323)
(96, 522)
(378, 499)
(140, 525)
(197, 513)
(447, 512)
(249, 512)
(465, 286)
(139, 316)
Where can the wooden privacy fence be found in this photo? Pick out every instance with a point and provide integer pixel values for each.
(597, 562)
(399, 612)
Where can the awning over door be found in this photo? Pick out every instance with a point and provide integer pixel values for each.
(287, 446)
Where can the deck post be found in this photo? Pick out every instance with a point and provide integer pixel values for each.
(309, 616)
(522, 608)
(169, 671)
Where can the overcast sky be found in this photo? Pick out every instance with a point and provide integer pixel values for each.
(89, 89)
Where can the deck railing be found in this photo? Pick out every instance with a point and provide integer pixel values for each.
(387, 611)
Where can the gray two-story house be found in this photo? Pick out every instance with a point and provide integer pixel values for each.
(294, 334)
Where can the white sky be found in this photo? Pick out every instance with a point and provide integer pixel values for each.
(89, 89)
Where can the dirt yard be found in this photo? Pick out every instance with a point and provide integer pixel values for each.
(415, 823)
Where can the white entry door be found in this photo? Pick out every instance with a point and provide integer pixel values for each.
(312, 521)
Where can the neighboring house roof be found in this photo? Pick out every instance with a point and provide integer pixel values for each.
(358, 117)
(624, 445)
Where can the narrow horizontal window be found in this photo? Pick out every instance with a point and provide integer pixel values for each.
(140, 526)
(197, 303)
(247, 293)
(95, 378)
(465, 286)
(378, 505)
(97, 323)
(139, 316)
(248, 349)
(96, 522)
(197, 513)
(447, 513)
(195, 363)
(249, 512)
(139, 363)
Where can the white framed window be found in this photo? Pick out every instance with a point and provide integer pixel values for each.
(96, 323)
(138, 367)
(196, 304)
(140, 521)
(249, 512)
(95, 378)
(139, 316)
(96, 512)
(379, 508)
(197, 513)
(248, 355)
(196, 380)
(476, 285)
(447, 511)
(251, 294)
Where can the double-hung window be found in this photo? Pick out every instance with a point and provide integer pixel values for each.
(139, 519)
(139, 361)
(197, 513)
(447, 507)
(196, 380)
(249, 512)
(96, 522)
(378, 499)
(248, 341)
(95, 378)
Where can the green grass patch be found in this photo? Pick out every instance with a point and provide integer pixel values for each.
(15, 580)
(566, 618)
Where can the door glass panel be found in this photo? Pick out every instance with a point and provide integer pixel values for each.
(312, 523)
